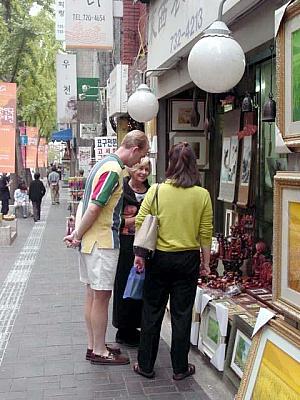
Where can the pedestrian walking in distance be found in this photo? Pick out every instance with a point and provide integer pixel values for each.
(53, 181)
(36, 193)
(98, 235)
(185, 225)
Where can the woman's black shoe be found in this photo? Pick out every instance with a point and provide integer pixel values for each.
(128, 338)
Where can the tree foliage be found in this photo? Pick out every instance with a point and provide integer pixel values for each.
(27, 56)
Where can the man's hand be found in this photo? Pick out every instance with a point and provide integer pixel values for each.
(139, 263)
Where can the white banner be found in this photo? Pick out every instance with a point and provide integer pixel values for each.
(89, 24)
(84, 159)
(60, 20)
(104, 146)
(66, 88)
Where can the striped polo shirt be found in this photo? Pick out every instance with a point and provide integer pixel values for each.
(104, 188)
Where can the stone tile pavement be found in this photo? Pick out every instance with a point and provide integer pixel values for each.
(42, 333)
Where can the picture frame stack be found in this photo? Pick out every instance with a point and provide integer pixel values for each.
(238, 348)
(273, 365)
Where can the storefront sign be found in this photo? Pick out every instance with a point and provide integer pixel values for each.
(32, 147)
(104, 146)
(23, 140)
(89, 24)
(116, 90)
(66, 88)
(88, 89)
(84, 159)
(89, 131)
(60, 19)
(7, 126)
(175, 23)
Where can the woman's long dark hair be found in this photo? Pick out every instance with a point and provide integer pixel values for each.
(182, 169)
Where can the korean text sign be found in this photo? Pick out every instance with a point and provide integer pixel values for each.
(89, 24)
(176, 23)
(66, 82)
(8, 93)
(60, 19)
(104, 146)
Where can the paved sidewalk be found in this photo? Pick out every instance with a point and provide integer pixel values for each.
(42, 341)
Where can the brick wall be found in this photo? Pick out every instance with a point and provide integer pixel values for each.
(134, 20)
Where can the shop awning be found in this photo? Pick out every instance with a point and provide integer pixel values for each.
(63, 135)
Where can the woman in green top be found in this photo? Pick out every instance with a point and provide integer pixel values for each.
(185, 225)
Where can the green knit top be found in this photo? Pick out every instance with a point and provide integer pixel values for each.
(184, 214)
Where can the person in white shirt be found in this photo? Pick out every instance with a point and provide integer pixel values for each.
(21, 200)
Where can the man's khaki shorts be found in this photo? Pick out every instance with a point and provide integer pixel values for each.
(98, 269)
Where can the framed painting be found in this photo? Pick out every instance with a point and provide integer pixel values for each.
(213, 331)
(286, 237)
(238, 349)
(181, 111)
(197, 141)
(247, 160)
(210, 332)
(273, 367)
(288, 76)
(229, 160)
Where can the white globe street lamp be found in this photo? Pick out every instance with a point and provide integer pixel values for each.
(217, 62)
(142, 104)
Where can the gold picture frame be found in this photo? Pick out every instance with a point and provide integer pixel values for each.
(286, 233)
(273, 364)
(288, 76)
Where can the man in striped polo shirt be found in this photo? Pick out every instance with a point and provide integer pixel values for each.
(98, 235)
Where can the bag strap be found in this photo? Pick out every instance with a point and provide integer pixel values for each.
(155, 197)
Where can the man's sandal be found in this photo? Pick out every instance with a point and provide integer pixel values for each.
(190, 371)
(139, 371)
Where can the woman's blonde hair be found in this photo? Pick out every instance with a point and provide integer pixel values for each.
(144, 161)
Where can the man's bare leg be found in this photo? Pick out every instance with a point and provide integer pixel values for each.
(87, 315)
(99, 318)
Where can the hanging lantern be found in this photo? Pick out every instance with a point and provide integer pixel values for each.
(247, 103)
(269, 108)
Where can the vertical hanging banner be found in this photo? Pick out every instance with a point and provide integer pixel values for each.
(89, 24)
(60, 20)
(46, 155)
(32, 146)
(66, 85)
(41, 153)
(8, 94)
(84, 159)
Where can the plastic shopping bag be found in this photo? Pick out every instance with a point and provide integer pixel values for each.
(135, 284)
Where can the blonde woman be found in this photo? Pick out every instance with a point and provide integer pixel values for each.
(127, 312)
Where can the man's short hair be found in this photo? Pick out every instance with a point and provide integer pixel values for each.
(135, 138)
(37, 175)
(54, 168)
